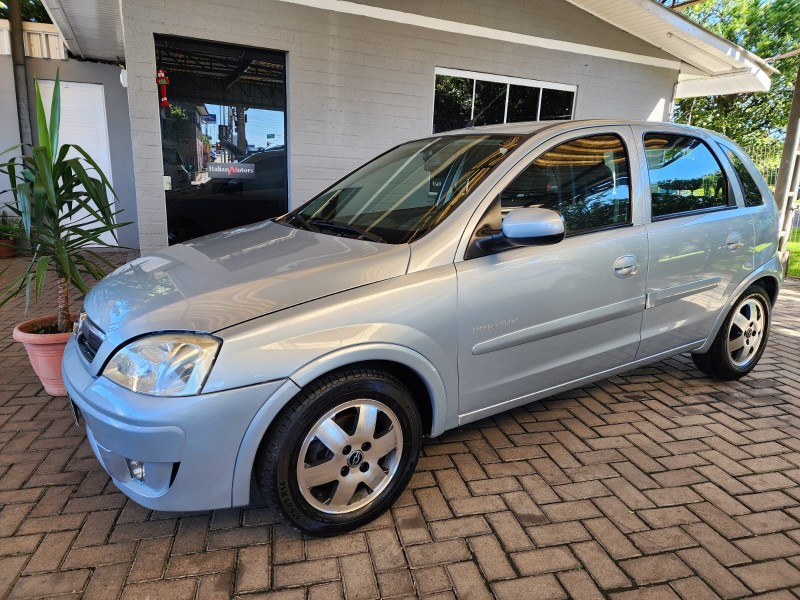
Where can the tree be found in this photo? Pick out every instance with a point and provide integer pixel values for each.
(32, 10)
(766, 28)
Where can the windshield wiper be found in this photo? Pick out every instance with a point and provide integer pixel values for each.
(304, 224)
(345, 228)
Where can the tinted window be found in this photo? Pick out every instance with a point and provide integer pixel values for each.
(684, 175)
(752, 195)
(490, 102)
(556, 105)
(586, 180)
(486, 101)
(452, 105)
(523, 103)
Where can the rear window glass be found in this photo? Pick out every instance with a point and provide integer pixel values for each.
(684, 175)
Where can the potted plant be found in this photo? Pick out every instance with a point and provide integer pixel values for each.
(9, 232)
(62, 200)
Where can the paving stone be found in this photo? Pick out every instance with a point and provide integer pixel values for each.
(766, 576)
(713, 573)
(764, 547)
(546, 560)
(306, 573)
(604, 571)
(491, 557)
(358, 578)
(656, 483)
(648, 570)
(543, 587)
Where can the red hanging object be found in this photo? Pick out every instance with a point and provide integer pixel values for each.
(162, 81)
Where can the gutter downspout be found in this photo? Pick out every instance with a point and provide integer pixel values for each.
(20, 77)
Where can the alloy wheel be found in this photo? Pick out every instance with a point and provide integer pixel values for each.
(349, 456)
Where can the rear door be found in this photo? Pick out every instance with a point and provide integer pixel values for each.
(534, 318)
(700, 240)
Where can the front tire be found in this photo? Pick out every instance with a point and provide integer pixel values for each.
(340, 453)
(741, 340)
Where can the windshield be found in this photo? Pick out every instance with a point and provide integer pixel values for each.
(400, 196)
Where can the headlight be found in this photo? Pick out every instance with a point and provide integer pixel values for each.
(169, 364)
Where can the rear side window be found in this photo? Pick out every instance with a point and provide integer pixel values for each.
(752, 195)
(586, 180)
(684, 175)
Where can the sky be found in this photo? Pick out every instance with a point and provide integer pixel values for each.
(259, 124)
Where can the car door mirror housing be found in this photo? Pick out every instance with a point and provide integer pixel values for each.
(533, 227)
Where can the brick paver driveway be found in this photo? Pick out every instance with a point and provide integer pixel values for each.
(654, 484)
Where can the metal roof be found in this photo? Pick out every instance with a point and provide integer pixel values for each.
(709, 64)
(91, 28)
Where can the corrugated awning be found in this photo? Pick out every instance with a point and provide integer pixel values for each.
(710, 64)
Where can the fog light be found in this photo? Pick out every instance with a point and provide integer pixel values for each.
(136, 469)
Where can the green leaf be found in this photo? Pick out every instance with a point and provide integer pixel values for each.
(41, 275)
(55, 114)
(77, 279)
(41, 123)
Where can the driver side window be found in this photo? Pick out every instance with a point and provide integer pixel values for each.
(586, 180)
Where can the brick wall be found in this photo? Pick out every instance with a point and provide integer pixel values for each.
(358, 85)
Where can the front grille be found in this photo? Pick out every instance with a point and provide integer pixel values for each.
(90, 337)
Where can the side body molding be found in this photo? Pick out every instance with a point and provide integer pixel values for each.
(659, 297)
(240, 494)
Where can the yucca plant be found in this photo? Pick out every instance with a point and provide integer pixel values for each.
(50, 190)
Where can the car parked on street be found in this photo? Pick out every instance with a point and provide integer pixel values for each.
(449, 279)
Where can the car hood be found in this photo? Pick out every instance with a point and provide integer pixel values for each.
(229, 277)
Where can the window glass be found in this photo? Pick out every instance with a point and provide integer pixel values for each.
(490, 102)
(492, 99)
(752, 195)
(523, 103)
(452, 106)
(223, 135)
(684, 175)
(556, 105)
(403, 194)
(586, 180)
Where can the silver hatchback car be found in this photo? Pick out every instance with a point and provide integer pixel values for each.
(449, 279)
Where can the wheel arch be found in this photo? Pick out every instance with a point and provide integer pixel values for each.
(413, 369)
(769, 276)
(771, 285)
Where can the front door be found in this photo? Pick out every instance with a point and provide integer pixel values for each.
(699, 242)
(534, 318)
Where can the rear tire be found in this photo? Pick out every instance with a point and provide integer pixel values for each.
(340, 453)
(741, 340)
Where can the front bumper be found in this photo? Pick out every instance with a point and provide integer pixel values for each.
(188, 445)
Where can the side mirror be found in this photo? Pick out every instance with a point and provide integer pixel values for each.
(533, 227)
(521, 227)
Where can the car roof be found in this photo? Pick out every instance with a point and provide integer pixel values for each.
(532, 127)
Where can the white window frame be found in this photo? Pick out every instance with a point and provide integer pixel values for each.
(509, 81)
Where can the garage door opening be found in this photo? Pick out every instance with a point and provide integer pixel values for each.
(223, 135)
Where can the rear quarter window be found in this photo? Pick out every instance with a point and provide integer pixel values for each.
(750, 190)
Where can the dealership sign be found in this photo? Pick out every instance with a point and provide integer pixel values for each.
(232, 170)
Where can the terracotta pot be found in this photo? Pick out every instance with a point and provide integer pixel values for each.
(45, 351)
(7, 251)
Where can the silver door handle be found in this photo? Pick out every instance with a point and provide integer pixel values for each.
(625, 266)
(734, 241)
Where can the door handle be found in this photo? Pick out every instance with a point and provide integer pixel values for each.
(734, 241)
(626, 265)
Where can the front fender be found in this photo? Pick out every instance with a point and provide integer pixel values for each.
(771, 268)
(441, 412)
